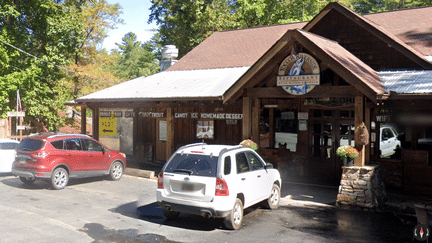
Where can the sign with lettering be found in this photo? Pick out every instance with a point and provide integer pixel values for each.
(298, 74)
(108, 126)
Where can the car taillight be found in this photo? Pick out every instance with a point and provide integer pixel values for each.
(40, 155)
(160, 180)
(221, 187)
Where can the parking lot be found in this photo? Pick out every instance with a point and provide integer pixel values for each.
(99, 210)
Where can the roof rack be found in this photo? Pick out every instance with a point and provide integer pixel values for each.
(191, 145)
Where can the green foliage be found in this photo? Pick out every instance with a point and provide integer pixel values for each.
(48, 52)
(373, 6)
(136, 59)
(187, 23)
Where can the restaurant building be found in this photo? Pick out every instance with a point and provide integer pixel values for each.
(299, 90)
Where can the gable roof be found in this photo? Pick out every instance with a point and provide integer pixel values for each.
(235, 48)
(243, 48)
(412, 26)
(349, 67)
(377, 30)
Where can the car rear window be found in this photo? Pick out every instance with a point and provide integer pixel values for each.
(30, 145)
(193, 164)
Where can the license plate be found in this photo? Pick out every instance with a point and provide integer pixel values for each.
(187, 187)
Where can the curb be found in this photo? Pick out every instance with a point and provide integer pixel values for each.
(140, 173)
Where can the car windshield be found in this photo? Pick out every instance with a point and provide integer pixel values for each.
(5, 146)
(193, 164)
(30, 145)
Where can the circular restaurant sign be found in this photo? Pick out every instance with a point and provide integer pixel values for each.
(298, 74)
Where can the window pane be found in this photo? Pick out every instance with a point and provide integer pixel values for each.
(73, 144)
(57, 144)
(254, 162)
(241, 162)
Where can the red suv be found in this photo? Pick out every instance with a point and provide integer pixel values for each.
(58, 157)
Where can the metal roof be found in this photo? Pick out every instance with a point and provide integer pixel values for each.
(407, 82)
(207, 83)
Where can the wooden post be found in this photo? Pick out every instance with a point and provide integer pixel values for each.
(368, 125)
(246, 134)
(271, 128)
(83, 120)
(95, 121)
(170, 133)
(256, 120)
(358, 119)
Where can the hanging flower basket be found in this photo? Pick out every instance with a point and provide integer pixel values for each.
(249, 143)
(347, 152)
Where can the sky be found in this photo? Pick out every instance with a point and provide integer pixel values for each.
(135, 15)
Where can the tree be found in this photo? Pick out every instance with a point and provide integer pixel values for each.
(38, 38)
(48, 51)
(187, 23)
(373, 6)
(136, 59)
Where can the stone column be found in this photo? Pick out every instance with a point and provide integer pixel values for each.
(361, 188)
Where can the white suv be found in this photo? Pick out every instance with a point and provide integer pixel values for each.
(216, 181)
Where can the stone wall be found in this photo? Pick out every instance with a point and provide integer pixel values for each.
(361, 188)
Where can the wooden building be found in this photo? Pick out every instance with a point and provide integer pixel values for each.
(299, 90)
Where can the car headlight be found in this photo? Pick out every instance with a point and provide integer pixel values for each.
(123, 154)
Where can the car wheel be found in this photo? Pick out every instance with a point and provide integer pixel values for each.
(273, 201)
(235, 218)
(59, 178)
(116, 171)
(170, 214)
(27, 181)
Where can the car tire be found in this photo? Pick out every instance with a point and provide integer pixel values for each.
(27, 181)
(116, 171)
(273, 201)
(235, 218)
(59, 178)
(170, 214)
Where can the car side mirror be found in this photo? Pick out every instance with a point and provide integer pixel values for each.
(269, 166)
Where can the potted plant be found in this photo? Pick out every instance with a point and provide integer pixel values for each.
(347, 152)
(249, 143)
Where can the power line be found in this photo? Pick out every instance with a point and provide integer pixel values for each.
(16, 48)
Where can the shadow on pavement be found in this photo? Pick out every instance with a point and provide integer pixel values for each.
(102, 234)
(153, 213)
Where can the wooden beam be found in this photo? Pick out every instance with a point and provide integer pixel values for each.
(83, 120)
(271, 128)
(95, 121)
(358, 119)
(170, 133)
(317, 92)
(255, 120)
(247, 103)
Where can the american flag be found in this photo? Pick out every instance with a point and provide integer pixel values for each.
(19, 107)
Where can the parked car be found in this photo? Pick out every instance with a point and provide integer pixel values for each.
(389, 141)
(7, 154)
(216, 181)
(58, 157)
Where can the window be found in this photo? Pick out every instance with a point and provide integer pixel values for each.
(73, 144)
(193, 164)
(91, 145)
(254, 162)
(5, 146)
(242, 164)
(227, 165)
(57, 144)
(30, 145)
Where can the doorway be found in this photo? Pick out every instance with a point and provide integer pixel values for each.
(330, 129)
